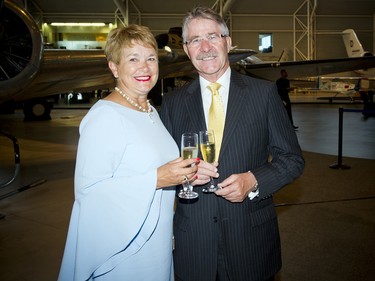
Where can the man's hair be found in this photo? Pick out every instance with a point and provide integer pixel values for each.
(203, 13)
(123, 37)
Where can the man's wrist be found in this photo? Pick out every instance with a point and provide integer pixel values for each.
(254, 189)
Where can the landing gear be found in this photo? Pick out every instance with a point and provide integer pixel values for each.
(37, 109)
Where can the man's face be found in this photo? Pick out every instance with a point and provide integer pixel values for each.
(209, 57)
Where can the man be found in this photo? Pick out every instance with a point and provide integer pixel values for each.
(283, 88)
(231, 234)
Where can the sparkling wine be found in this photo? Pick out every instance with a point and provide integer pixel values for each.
(208, 152)
(190, 152)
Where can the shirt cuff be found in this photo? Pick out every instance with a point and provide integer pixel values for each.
(254, 194)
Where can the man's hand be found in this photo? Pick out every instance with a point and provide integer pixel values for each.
(237, 187)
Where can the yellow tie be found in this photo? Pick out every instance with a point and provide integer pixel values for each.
(216, 117)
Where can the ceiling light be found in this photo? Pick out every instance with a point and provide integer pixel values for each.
(78, 24)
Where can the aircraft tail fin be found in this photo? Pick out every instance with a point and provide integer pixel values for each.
(353, 46)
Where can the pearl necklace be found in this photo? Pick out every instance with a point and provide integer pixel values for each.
(133, 103)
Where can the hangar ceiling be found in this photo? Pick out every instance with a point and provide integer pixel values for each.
(103, 10)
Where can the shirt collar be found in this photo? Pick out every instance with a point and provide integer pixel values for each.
(223, 80)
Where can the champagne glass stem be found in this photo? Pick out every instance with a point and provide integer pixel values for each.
(212, 187)
(185, 186)
(212, 183)
(190, 187)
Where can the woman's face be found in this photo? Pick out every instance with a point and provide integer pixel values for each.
(209, 58)
(137, 71)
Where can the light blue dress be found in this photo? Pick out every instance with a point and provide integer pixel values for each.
(121, 225)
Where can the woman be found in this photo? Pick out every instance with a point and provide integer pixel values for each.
(127, 167)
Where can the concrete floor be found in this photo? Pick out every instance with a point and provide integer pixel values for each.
(33, 230)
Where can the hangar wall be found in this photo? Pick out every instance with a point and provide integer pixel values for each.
(246, 27)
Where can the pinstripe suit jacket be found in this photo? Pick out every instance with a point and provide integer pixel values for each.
(256, 125)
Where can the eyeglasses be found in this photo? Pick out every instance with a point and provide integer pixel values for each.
(213, 38)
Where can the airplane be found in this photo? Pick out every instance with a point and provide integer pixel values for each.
(27, 70)
(327, 88)
(307, 68)
(359, 61)
(344, 85)
(30, 72)
(354, 49)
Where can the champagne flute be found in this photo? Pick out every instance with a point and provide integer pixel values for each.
(207, 145)
(189, 149)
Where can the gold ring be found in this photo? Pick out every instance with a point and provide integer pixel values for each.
(185, 178)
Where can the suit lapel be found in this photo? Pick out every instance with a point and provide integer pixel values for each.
(194, 106)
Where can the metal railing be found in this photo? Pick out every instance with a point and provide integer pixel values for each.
(340, 164)
(17, 158)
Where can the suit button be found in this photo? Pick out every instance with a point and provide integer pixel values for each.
(215, 219)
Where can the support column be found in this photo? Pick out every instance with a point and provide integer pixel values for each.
(304, 26)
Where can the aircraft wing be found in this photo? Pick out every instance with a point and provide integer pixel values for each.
(299, 69)
(84, 70)
(177, 63)
(63, 71)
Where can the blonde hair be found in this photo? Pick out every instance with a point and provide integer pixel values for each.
(125, 37)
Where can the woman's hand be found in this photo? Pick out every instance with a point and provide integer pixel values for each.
(205, 171)
(177, 171)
